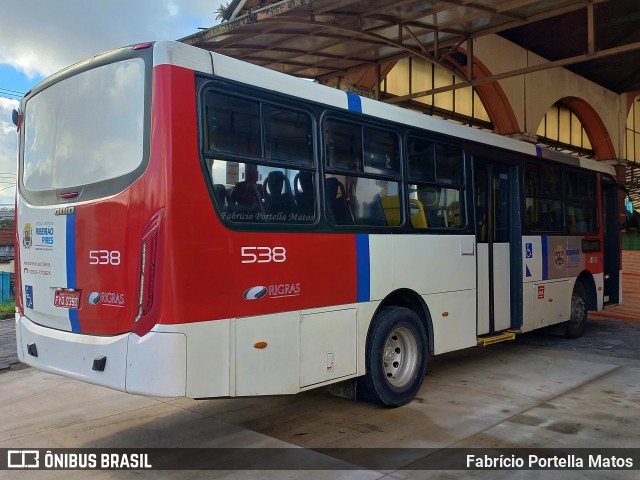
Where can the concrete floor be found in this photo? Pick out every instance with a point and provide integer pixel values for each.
(537, 391)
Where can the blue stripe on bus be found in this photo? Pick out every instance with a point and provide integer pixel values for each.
(71, 267)
(363, 265)
(545, 258)
(354, 103)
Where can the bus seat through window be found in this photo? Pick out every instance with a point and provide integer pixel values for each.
(371, 213)
(278, 196)
(416, 211)
(337, 209)
(430, 198)
(220, 192)
(247, 195)
(391, 206)
(303, 192)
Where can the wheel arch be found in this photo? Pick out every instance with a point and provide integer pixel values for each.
(405, 297)
(585, 278)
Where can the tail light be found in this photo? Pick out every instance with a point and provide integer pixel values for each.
(149, 247)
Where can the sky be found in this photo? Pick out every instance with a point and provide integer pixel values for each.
(40, 37)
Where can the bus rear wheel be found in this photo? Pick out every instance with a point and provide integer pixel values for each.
(396, 358)
(577, 324)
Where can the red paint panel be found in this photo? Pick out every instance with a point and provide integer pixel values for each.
(103, 267)
(204, 271)
(205, 277)
(112, 228)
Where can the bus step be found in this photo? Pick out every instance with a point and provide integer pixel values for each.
(500, 337)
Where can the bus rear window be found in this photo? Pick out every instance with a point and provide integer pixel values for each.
(85, 129)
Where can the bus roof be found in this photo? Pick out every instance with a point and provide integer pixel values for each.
(179, 54)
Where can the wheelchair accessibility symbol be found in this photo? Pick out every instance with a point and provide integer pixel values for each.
(529, 249)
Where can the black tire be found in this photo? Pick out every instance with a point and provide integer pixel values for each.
(396, 358)
(577, 324)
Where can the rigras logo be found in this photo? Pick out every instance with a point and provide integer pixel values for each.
(281, 290)
(255, 293)
(109, 299)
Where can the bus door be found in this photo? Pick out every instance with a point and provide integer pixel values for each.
(499, 240)
(611, 242)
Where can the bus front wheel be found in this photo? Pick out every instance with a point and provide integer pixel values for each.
(578, 321)
(396, 358)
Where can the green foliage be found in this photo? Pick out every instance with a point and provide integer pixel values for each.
(220, 12)
(7, 308)
(6, 223)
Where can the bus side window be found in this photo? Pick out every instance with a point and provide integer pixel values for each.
(233, 124)
(220, 192)
(246, 196)
(278, 196)
(337, 208)
(304, 193)
(416, 210)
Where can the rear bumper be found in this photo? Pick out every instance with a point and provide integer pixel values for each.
(154, 365)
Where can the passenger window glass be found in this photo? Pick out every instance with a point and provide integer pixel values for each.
(582, 215)
(580, 186)
(448, 164)
(435, 207)
(532, 179)
(550, 181)
(543, 215)
(421, 160)
(232, 125)
(343, 144)
(381, 152)
(362, 201)
(248, 193)
(582, 219)
(288, 135)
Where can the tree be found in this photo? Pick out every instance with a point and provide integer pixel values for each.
(221, 12)
(6, 223)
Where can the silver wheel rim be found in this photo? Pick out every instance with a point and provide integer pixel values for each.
(400, 357)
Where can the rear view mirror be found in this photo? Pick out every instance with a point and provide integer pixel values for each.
(15, 116)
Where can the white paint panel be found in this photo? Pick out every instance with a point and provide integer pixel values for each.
(408, 117)
(365, 315)
(483, 288)
(181, 55)
(250, 74)
(274, 369)
(208, 356)
(190, 57)
(157, 364)
(327, 346)
(598, 279)
(454, 324)
(619, 292)
(532, 259)
(72, 354)
(43, 267)
(501, 286)
(597, 166)
(426, 263)
(551, 302)
(381, 265)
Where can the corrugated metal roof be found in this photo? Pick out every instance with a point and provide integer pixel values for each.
(331, 39)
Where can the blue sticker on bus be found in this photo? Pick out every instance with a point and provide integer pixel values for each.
(529, 249)
(28, 296)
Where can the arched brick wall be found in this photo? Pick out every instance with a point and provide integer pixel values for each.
(493, 98)
(594, 126)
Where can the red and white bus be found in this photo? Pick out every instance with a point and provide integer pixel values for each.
(192, 225)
